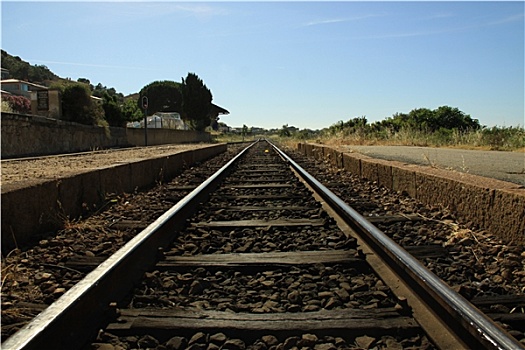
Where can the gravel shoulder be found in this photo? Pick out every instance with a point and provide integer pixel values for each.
(505, 166)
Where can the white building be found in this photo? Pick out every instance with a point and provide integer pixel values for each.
(161, 121)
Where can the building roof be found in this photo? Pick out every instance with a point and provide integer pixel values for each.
(219, 110)
(17, 81)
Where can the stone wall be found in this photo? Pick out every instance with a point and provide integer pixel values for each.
(31, 135)
(166, 136)
(488, 204)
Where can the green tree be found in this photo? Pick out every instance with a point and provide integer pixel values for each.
(421, 119)
(131, 111)
(77, 105)
(285, 131)
(424, 119)
(393, 123)
(214, 124)
(305, 134)
(112, 111)
(244, 131)
(196, 102)
(163, 96)
(357, 122)
(88, 83)
(452, 118)
(100, 90)
(333, 129)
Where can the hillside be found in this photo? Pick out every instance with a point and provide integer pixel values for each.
(20, 69)
(38, 74)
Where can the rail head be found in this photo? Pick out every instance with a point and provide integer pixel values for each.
(483, 332)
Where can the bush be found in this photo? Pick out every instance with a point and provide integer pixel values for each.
(77, 105)
(504, 138)
(112, 111)
(131, 111)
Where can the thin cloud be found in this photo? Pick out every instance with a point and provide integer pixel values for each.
(339, 20)
(127, 12)
(410, 34)
(439, 15)
(509, 19)
(201, 10)
(326, 21)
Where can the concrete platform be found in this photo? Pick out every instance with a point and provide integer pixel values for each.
(42, 206)
(486, 203)
(500, 165)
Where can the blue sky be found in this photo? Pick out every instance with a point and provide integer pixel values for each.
(306, 64)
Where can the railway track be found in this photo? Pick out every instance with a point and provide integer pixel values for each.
(250, 258)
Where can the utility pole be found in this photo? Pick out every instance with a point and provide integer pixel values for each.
(145, 107)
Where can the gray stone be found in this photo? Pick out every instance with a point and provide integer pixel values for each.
(218, 338)
(290, 342)
(270, 340)
(197, 287)
(294, 297)
(343, 294)
(365, 341)
(234, 344)
(196, 346)
(148, 341)
(102, 346)
(177, 343)
(312, 307)
(325, 346)
(392, 344)
(293, 308)
(260, 346)
(307, 340)
(332, 303)
(199, 337)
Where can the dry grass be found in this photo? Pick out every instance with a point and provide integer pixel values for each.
(511, 139)
(503, 139)
(10, 269)
(17, 278)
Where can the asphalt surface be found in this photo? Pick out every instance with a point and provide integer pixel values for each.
(505, 166)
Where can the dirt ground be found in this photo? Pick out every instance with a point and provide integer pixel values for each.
(31, 171)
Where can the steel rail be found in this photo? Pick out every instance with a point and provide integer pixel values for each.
(73, 319)
(456, 311)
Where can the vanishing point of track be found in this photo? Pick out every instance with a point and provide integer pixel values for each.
(174, 277)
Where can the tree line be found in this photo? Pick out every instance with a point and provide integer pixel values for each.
(444, 119)
(426, 120)
(443, 126)
(191, 98)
